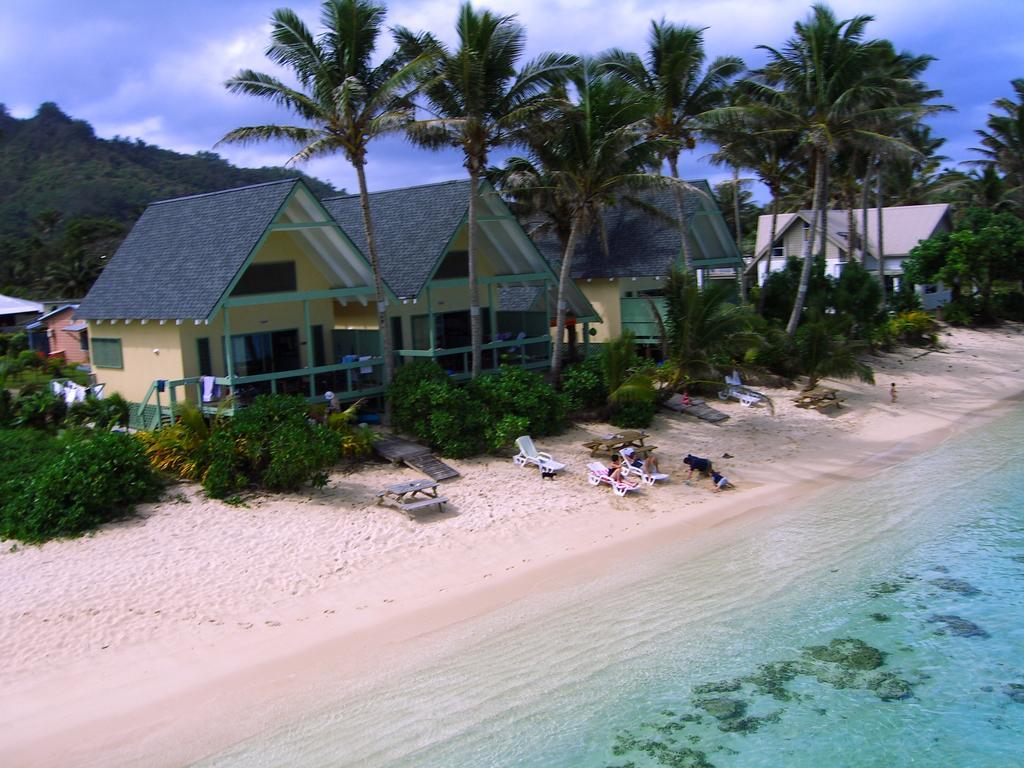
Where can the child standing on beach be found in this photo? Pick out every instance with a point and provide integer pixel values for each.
(892, 393)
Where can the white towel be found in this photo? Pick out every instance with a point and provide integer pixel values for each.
(207, 384)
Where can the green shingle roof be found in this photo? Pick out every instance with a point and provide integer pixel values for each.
(640, 243)
(412, 227)
(182, 254)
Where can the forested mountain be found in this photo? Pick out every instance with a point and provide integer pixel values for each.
(60, 186)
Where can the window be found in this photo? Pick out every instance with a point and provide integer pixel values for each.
(272, 277)
(106, 353)
(778, 252)
(256, 353)
(454, 264)
(205, 363)
(83, 340)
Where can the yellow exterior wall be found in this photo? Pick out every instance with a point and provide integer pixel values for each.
(179, 352)
(604, 295)
(149, 352)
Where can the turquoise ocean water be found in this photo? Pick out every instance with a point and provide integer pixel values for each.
(881, 624)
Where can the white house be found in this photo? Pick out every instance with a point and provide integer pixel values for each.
(903, 227)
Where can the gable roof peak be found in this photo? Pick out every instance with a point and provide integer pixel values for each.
(292, 180)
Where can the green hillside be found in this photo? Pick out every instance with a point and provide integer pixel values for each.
(51, 162)
(67, 197)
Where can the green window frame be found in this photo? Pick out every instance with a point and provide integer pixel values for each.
(106, 353)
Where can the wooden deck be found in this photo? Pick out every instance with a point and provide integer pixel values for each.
(399, 451)
(697, 408)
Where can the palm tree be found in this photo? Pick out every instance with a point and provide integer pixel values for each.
(590, 153)
(706, 331)
(1002, 145)
(345, 100)
(825, 349)
(670, 74)
(477, 100)
(822, 89)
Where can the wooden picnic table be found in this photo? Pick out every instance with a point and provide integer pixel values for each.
(612, 444)
(412, 496)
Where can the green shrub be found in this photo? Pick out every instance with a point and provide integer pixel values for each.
(916, 329)
(103, 414)
(356, 441)
(39, 409)
(523, 395)
(94, 479)
(6, 407)
(633, 414)
(17, 343)
(1010, 305)
(963, 311)
(271, 444)
(22, 453)
(410, 402)
(29, 358)
(584, 386)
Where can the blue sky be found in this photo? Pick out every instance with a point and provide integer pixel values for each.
(155, 70)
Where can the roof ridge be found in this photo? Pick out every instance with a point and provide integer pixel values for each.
(396, 189)
(225, 191)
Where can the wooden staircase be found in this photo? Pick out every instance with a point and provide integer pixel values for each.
(399, 451)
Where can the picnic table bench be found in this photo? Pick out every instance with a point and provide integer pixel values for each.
(412, 496)
(612, 444)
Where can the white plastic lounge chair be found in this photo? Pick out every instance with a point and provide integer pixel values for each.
(629, 468)
(598, 473)
(528, 454)
(735, 389)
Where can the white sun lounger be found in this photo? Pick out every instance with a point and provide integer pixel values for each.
(628, 468)
(734, 388)
(528, 454)
(598, 473)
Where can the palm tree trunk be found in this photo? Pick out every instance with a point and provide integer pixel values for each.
(864, 203)
(805, 272)
(881, 247)
(824, 209)
(851, 220)
(771, 248)
(387, 343)
(742, 285)
(563, 304)
(475, 325)
(673, 164)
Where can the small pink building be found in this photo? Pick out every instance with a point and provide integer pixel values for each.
(62, 333)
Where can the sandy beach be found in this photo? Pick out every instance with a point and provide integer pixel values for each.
(166, 637)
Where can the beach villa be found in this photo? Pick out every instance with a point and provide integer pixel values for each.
(15, 312)
(621, 266)
(267, 289)
(58, 332)
(903, 228)
(422, 242)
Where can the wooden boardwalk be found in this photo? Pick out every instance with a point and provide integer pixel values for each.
(697, 408)
(399, 451)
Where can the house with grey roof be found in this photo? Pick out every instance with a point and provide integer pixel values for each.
(422, 244)
(228, 292)
(903, 227)
(267, 289)
(621, 266)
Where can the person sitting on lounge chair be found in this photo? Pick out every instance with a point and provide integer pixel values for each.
(648, 465)
(696, 463)
(719, 481)
(615, 471)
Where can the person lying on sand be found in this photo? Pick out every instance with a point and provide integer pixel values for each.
(648, 465)
(719, 481)
(696, 463)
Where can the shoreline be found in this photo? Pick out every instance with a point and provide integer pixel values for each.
(211, 685)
